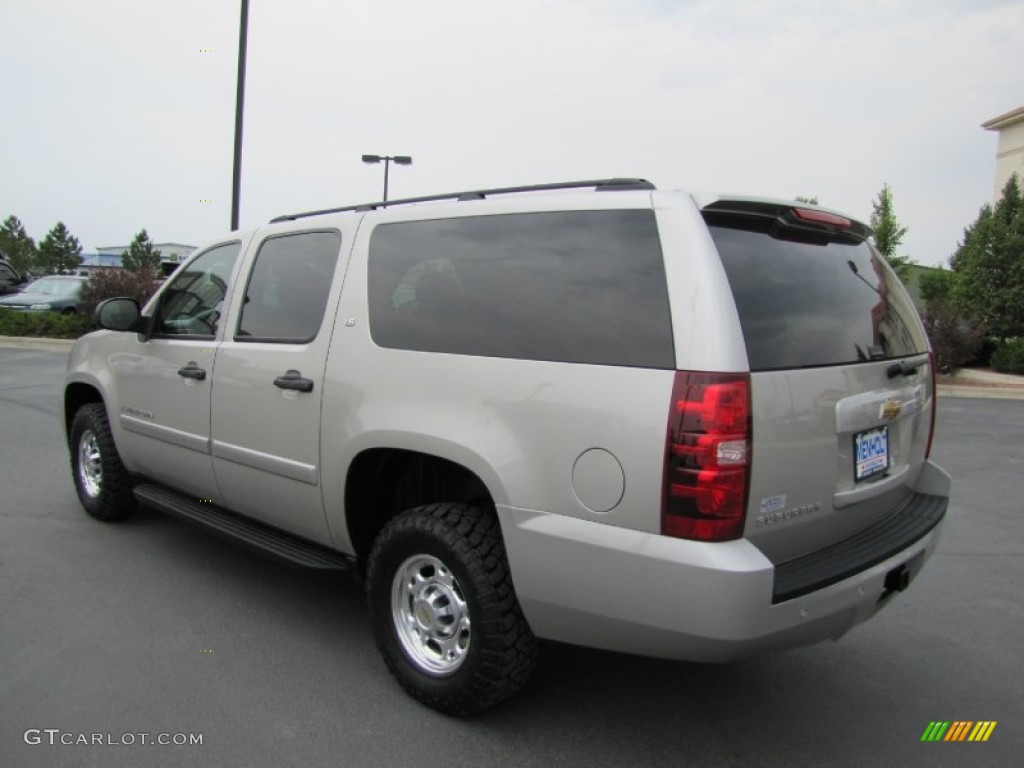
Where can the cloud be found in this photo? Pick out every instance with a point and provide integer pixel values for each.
(125, 121)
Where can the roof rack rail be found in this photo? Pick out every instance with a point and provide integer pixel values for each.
(600, 185)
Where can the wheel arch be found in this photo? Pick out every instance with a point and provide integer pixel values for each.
(77, 394)
(382, 482)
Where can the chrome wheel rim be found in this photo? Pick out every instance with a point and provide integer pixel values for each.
(90, 467)
(430, 614)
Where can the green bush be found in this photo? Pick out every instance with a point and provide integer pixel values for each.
(1009, 358)
(102, 284)
(52, 324)
(107, 283)
(954, 340)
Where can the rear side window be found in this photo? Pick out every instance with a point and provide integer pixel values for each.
(805, 304)
(574, 286)
(287, 292)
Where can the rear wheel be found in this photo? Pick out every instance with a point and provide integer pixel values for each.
(444, 612)
(103, 484)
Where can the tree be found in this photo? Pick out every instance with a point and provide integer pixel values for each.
(15, 243)
(59, 251)
(936, 285)
(140, 254)
(989, 266)
(955, 341)
(888, 232)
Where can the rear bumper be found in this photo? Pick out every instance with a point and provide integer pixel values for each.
(606, 587)
(889, 538)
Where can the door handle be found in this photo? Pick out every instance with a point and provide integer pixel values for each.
(902, 368)
(292, 379)
(192, 371)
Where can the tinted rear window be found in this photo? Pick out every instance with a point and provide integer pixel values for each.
(803, 304)
(576, 286)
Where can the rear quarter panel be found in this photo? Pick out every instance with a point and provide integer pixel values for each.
(522, 425)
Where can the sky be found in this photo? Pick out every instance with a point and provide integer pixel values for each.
(119, 114)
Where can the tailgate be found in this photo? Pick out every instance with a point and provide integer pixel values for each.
(841, 378)
(834, 451)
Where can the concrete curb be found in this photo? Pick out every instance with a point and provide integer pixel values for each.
(36, 342)
(995, 393)
(985, 376)
(981, 382)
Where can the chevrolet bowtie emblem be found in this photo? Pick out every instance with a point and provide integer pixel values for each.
(890, 410)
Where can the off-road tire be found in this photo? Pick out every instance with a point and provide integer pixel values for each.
(103, 485)
(502, 651)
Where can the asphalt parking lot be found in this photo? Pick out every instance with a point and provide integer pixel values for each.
(151, 626)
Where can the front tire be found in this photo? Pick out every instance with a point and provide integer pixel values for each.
(444, 611)
(103, 485)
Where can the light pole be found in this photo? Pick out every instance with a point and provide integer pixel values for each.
(236, 174)
(388, 159)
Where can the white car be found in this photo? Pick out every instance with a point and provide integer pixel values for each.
(694, 427)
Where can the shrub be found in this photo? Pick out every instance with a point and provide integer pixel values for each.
(102, 284)
(51, 324)
(954, 341)
(983, 358)
(1009, 358)
(105, 284)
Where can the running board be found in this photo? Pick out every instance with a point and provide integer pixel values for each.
(249, 533)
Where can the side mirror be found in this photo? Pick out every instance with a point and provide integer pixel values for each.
(119, 314)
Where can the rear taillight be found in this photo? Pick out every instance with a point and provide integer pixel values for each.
(707, 457)
(935, 402)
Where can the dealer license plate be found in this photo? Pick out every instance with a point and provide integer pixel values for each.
(870, 452)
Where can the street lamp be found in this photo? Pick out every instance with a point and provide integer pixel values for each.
(388, 159)
(236, 173)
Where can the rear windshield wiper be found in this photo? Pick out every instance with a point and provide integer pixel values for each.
(872, 351)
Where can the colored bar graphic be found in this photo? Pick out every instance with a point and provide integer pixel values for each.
(982, 730)
(935, 731)
(958, 730)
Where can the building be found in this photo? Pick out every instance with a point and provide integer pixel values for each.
(913, 284)
(93, 261)
(1010, 150)
(172, 252)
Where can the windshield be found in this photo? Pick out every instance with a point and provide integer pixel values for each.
(54, 286)
(804, 304)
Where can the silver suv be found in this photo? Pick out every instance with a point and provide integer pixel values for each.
(684, 426)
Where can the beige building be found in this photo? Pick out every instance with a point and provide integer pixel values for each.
(1010, 150)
